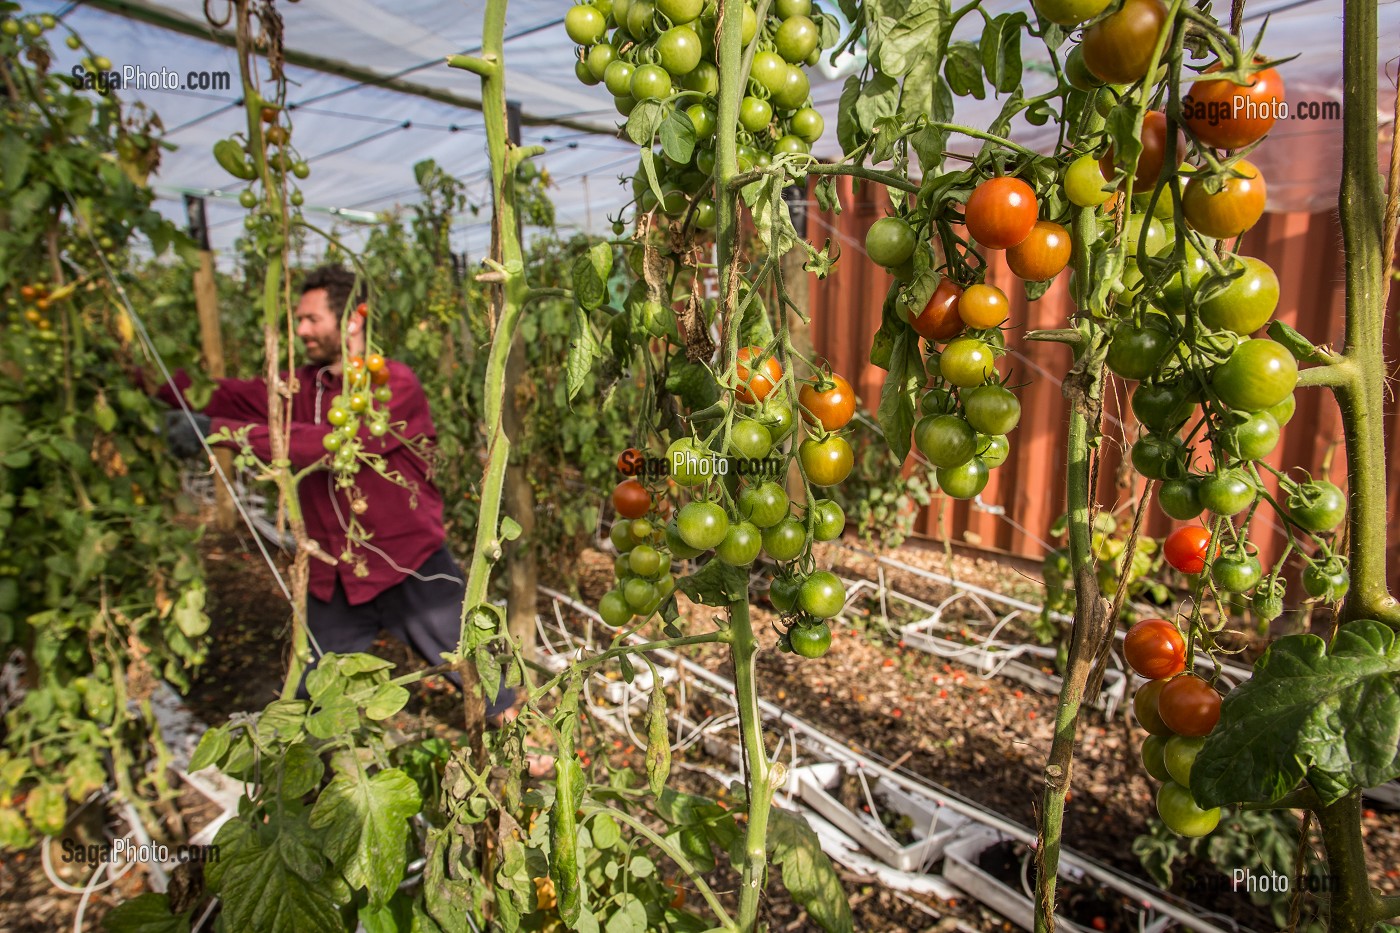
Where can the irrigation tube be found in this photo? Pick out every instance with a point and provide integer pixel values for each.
(839, 751)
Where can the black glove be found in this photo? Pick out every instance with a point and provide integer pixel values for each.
(183, 435)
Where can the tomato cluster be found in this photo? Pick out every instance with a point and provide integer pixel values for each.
(367, 401)
(1178, 710)
(738, 508)
(665, 51)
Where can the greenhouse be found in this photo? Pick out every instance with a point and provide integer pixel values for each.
(699, 465)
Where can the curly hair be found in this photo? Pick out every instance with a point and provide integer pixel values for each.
(339, 284)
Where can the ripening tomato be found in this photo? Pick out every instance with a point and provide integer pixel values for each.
(1042, 254)
(629, 462)
(1155, 649)
(1118, 49)
(1179, 812)
(940, 320)
(631, 499)
(1226, 115)
(761, 384)
(1247, 302)
(828, 461)
(1145, 708)
(1001, 212)
(1232, 210)
(1186, 549)
(1189, 705)
(1070, 12)
(833, 406)
(1260, 374)
(1152, 157)
(1085, 183)
(983, 306)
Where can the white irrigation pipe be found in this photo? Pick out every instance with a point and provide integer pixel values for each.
(840, 751)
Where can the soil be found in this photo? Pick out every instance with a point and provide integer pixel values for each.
(984, 739)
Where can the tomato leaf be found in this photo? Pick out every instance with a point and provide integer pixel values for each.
(583, 350)
(365, 819)
(882, 346)
(1310, 709)
(302, 770)
(1001, 51)
(963, 69)
(658, 739)
(644, 120)
(807, 871)
(1302, 349)
(879, 98)
(715, 584)
(678, 136)
(920, 31)
(268, 882)
(848, 132)
(147, 913)
(906, 374)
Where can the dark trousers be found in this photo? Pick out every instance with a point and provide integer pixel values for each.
(425, 614)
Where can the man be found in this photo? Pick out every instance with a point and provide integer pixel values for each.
(402, 578)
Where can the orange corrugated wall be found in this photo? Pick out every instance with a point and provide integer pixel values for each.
(1303, 249)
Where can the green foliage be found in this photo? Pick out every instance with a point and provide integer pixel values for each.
(1330, 713)
(100, 590)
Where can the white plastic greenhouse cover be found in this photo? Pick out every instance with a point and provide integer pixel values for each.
(362, 140)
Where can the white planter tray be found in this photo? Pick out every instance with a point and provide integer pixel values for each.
(933, 824)
(960, 868)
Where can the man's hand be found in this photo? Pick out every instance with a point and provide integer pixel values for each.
(183, 437)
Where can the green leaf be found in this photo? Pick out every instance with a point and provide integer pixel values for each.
(189, 614)
(649, 168)
(365, 820)
(963, 69)
(644, 120)
(601, 255)
(46, 808)
(489, 670)
(658, 739)
(897, 406)
(807, 872)
(715, 584)
(302, 770)
(677, 136)
(146, 913)
(583, 350)
(263, 882)
(351, 664)
(387, 700)
(510, 528)
(1301, 347)
(15, 153)
(210, 750)
(878, 98)
(848, 132)
(394, 917)
(630, 917)
(1001, 51)
(605, 830)
(1308, 710)
(920, 31)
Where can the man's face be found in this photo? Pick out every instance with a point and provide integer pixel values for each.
(318, 327)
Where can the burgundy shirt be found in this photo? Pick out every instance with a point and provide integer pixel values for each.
(405, 522)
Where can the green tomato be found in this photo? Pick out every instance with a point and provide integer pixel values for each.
(704, 122)
(638, 592)
(1158, 456)
(1237, 573)
(680, 11)
(991, 409)
(749, 439)
(1247, 302)
(614, 609)
(769, 70)
(822, 595)
(1318, 506)
(1070, 12)
(1163, 406)
(640, 15)
(793, 94)
(583, 74)
(741, 545)
(782, 593)
(785, 541)
(1253, 439)
(1180, 754)
(790, 143)
(1327, 581)
(1138, 352)
(705, 215)
(830, 521)
(993, 449)
(678, 50)
(1283, 411)
(644, 561)
(691, 463)
(676, 544)
(1258, 375)
(1179, 811)
(704, 78)
(620, 534)
(755, 114)
(889, 242)
(1227, 492)
(807, 124)
(585, 24)
(765, 505)
(617, 75)
(599, 58)
(797, 37)
(946, 440)
(1180, 498)
(787, 9)
(1085, 184)
(810, 639)
(1153, 760)
(702, 525)
(964, 481)
(650, 82)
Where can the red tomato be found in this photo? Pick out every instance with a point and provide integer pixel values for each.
(631, 499)
(940, 320)
(1186, 549)
(834, 407)
(1227, 115)
(1001, 212)
(1154, 152)
(1118, 48)
(629, 462)
(762, 383)
(1155, 649)
(1042, 254)
(1189, 706)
